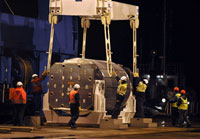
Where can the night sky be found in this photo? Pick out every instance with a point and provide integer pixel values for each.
(182, 34)
(182, 37)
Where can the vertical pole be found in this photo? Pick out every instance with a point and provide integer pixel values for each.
(50, 45)
(134, 23)
(134, 49)
(3, 93)
(164, 38)
(84, 42)
(85, 23)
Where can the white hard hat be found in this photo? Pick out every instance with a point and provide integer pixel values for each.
(34, 75)
(123, 78)
(145, 81)
(77, 86)
(19, 84)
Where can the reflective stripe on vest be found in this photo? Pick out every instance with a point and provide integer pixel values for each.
(121, 89)
(184, 104)
(175, 103)
(141, 87)
(72, 96)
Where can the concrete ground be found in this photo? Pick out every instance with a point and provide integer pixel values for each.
(63, 132)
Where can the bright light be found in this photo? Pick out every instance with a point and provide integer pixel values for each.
(147, 76)
(158, 76)
(188, 103)
(160, 108)
(163, 100)
(163, 123)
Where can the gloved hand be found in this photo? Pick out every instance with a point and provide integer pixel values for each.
(44, 72)
(114, 73)
(136, 74)
(140, 83)
(79, 108)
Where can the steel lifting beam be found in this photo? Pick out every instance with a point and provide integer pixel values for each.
(107, 45)
(85, 24)
(106, 10)
(53, 19)
(134, 23)
(105, 15)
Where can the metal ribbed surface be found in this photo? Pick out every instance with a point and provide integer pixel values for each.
(84, 72)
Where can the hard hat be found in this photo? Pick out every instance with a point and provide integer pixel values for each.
(183, 92)
(145, 81)
(77, 86)
(34, 75)
(176, 89)
(19, 84)
(123, 78)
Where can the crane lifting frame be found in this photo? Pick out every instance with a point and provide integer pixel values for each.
(104, 10)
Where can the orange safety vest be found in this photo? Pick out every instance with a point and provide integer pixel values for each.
(72, 96)
(37, 84)
(19, 96)
(11, 93)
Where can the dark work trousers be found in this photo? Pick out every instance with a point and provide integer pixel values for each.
(19, 110)
(174, 116)
(116, 112)
(74, 114)
(140, 99)
(37, 103)
(183, 117)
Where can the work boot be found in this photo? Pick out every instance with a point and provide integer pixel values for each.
(114, 117)
(73, 126)
(189, 125)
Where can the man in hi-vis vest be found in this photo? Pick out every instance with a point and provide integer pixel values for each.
(140, 98)
(37, 91)
(121, 91)
(74, 105)
(19, 99)
(174, 107)
(182, 109)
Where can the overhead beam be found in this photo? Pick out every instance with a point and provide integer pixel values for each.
(89, 8)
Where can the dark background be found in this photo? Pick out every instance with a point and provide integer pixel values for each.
(182, 38)
(182, 34)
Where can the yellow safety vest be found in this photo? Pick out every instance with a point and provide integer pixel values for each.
(175, 103)
(141, 87)
(184, 104)
(121, 90)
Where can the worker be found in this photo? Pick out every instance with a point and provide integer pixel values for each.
(182, 109)
(121, 91)
(37, 91)
(174, 107)
(140, 97)
(19, 100)
(74, 99)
